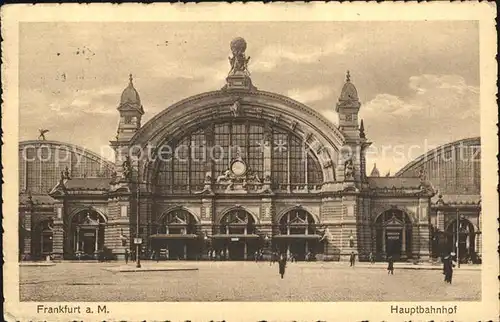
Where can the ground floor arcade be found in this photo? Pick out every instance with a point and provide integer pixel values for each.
(178, 235)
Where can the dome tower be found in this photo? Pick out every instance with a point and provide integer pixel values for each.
(131, 111)
(348, 109)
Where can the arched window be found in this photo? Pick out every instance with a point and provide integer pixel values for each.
(237, 222)
(186, 162)
(178, 222)
(393, 230)
(297, 222)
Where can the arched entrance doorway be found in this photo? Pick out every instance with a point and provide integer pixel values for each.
(88, 233)
(43, 238)
(176, 236)
(235, 237)
(393, 235)
(297, 235)
(466, 240)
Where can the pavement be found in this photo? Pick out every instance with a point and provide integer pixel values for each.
(149, 267)
(216, 281)
(180, 265)
(37, 264)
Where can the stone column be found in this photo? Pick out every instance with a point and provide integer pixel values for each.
(97, 239)
(403, 242)
(77, 239)
(384, 251)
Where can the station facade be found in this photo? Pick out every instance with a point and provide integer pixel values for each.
(233, 171)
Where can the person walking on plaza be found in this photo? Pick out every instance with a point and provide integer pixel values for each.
(390, 265)
(126, 256)
(352, 259)
(371, 258)
(448, 268)
(282, 265)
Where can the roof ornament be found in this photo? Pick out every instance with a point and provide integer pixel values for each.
(239, 62)
(42, 134)
(348, 77)
(362, 130)
(375, 172)
(130, 78)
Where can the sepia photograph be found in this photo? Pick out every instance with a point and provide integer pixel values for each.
(252, 161)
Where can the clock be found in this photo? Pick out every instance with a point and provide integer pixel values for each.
(238, 167)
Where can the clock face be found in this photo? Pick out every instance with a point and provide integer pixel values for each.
(238, 168)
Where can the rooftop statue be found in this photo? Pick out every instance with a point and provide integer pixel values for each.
(42, 134)
(239, 62)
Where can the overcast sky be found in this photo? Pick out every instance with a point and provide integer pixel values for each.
(418, 82)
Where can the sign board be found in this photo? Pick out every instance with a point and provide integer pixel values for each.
(393, 235)
(88, 234)
(235, 239)
(137, 241)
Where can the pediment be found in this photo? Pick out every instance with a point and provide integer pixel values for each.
(393, 221)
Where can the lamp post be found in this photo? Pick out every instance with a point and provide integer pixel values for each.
(138, 240)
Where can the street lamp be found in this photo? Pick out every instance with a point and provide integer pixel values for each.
(138, 240)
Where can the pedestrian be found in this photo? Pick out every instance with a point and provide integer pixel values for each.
(390, 265)
(448, 268)
(352, 259)
(282, 265)
(256, 255)
(371, 258)
(126, 256)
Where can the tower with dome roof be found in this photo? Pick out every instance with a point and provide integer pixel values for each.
(131, 112)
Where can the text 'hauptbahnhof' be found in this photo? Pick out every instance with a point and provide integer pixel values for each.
(238, 171)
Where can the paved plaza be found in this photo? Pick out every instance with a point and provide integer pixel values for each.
(243, 281)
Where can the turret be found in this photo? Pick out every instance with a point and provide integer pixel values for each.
(131, 111)
(348, 109)
(375, 172)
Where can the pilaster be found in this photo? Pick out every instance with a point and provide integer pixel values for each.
(58, 239)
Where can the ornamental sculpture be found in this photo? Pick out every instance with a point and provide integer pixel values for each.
(236, 108)
(348, 170)
(42, 134)
(239, 62)
(127, 169)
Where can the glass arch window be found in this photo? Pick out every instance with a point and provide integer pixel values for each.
(237, 222)
(297, 222)
(178, 222)
(210, 150)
